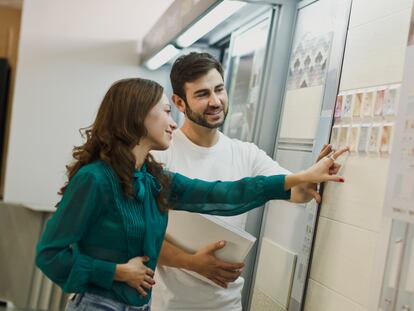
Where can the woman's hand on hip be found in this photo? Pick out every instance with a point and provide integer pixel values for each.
(136, 274)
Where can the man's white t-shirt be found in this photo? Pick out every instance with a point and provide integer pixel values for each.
(228, 160)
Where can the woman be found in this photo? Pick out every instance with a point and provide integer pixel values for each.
(113, 214)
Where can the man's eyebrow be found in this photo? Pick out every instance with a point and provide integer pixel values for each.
(201, 91)
(207, 90)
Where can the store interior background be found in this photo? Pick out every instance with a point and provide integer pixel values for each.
(63, 56)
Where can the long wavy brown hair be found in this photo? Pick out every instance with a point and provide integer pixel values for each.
(118, 127)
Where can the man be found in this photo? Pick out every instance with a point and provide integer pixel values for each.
(199, 150)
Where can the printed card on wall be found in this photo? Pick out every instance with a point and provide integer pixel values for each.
(338, 106)
(367, 103)
(334, 137)
(386, 135)
(347, 106)
(374, 139)
(357, 105)
(362, 119)
(379, 102)
(391, 98)
(363, 138)
(353, 138)
(343, 136)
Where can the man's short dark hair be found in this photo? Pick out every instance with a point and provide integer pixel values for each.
(190, 67)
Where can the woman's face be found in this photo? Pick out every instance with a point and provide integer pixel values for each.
(160, 125)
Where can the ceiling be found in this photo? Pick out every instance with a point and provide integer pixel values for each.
(124, 20)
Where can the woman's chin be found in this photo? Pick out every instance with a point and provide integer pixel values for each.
(162, 147)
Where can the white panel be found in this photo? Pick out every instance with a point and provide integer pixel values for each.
(365, 11)
(343, 259)
(380, 262)
(320, 298)
(262, 302)
(351, 201)
(275, 271)
(409, 284)
(375, 51)
(285, 224)
(301, 104)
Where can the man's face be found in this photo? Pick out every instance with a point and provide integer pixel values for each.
(206, 101)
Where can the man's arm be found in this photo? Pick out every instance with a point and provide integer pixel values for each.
(203, 262)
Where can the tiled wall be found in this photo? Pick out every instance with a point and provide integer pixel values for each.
(342, 272)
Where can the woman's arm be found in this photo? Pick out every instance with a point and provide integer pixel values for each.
(225, 198)
(233, 198)
(58, 254)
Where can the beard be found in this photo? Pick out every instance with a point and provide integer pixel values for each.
(201, 119)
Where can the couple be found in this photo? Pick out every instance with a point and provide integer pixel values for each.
(107, 235)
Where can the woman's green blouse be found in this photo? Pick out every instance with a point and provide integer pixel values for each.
(96, 226)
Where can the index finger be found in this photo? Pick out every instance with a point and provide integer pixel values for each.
(340, 152)
(326, 150)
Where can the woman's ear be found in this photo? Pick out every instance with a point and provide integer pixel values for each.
(178, 102)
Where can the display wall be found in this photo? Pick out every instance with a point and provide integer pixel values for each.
(287, 229)
(349, 245)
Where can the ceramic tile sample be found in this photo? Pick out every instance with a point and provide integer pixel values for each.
(286, 224)
(367, 103)
(365, 11)
(353, 138)
(379, 102)
(374, 53)
(262, 302)
(275, 272)
(343, 259)
(363, 138)
(320, 298)
(386, 137)
(301, 104)
(390, 101)
(409, 284)
(350, 202)
(347, 106)
(343, 136)
(309, 61)
(374, 139)
(356, 111)
(396, 257)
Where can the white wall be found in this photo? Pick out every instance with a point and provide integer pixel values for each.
(70, 52)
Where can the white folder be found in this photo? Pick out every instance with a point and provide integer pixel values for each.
(192, 231)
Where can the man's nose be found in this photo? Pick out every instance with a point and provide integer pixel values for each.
(214, 101)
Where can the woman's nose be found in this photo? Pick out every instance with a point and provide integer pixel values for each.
(173, 125)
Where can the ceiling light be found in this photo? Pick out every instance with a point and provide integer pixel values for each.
(162, 57)
(208, 22)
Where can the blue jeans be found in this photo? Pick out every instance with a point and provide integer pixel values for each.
(90, 302)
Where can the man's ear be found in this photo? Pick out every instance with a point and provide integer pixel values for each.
(178, 102)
